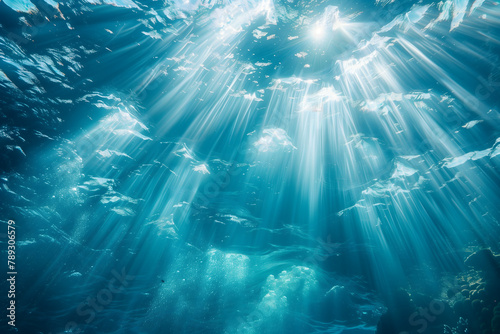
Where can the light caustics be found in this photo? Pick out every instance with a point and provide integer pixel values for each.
(227, 167)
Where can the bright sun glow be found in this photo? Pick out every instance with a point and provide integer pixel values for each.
(318, 31)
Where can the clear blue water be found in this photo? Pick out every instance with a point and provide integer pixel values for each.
(251, 166)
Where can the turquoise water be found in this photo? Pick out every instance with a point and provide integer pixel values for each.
(251, 166)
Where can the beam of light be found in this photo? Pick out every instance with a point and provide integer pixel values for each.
(318, 31)
(222, 167)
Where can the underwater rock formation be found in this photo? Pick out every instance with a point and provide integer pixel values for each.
(473, 304)
(486, 261)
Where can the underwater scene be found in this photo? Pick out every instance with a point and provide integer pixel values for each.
(250, 166)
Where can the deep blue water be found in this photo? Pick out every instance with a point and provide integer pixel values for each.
(251, 166)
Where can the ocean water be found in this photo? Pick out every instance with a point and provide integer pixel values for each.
(250, 166)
